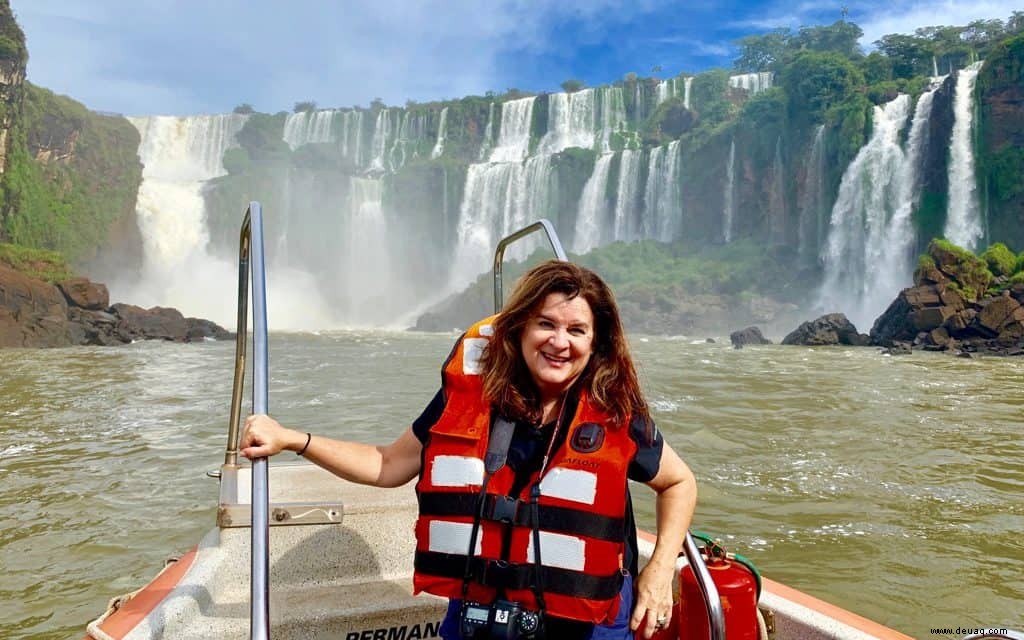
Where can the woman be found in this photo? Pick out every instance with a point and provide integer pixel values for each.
(528, 446)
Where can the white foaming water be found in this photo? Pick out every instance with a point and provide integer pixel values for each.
(383, 130)
(728, 201)
(686, 91)
(593, 209)
(613, 115)
(665, 90)
(868, 258)
(307, 127)
(963, 219)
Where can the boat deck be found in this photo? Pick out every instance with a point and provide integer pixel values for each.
(352, 578)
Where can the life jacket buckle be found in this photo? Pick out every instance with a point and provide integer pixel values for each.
(504, 509)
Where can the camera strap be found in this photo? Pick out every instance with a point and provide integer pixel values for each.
(497, 454)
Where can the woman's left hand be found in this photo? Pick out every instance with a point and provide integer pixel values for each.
(653, 607)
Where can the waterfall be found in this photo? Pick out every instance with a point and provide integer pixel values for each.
(729, 203)
(488, 140)
(382, 134)
(593, 209)
(364, 277)
(867, 257)
(686, 91)
(665, 90)
(179, 156)
(662, 208)
(640, 102)
(626, 204)
(571, 122)
(752, 82)
(812, 201)
(307, 127)
(351, 136)
(613, 115)
(514, 131)
(963, 218)
(777, 199)
(442, 131)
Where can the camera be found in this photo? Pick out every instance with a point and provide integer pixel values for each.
(500, 620)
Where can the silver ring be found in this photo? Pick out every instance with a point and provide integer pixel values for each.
(661, 621)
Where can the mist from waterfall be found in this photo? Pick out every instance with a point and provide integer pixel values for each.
(868, 254)
(963, 219)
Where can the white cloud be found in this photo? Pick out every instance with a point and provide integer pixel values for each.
(905, 18)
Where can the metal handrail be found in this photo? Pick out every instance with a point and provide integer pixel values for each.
(499, 252)
(250, 251)
(712, 601)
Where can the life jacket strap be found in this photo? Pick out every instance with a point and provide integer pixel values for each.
(519, 513)
(506, 575)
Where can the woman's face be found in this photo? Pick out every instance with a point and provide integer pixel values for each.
(557, 343)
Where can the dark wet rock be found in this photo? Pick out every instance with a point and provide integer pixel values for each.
(85, 294)
(34, 313)
(829, 329)
(750, 335)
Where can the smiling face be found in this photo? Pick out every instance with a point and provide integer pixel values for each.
(557, 342)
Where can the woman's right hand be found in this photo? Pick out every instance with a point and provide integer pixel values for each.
(263, 437)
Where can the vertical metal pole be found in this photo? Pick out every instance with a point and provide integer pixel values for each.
(712, 601)
(260, 592)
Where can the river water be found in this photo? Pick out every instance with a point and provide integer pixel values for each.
(890, 486)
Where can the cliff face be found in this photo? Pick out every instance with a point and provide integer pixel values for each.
(13, 58)
(1001, 140)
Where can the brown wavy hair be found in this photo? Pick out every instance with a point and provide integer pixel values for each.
(609, 378)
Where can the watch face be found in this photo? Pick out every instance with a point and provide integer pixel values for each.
(587, 438)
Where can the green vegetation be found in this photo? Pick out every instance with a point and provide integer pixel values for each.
(71, 176)
(35, 263)
(1000, 260)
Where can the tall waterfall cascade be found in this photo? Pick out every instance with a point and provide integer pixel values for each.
(662, 216)
(593, 210)
(813, 224)
(442, 132)
(868, 255)
(625, 225)
(964, 225)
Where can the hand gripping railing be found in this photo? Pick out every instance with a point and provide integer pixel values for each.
(713, 603)
(250, 247)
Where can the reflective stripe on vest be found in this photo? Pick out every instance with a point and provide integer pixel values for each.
(580, 512)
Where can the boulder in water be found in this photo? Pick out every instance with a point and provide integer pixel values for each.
(750, 335)
(829, 329)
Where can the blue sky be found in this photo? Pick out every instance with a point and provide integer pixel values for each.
(182, 57)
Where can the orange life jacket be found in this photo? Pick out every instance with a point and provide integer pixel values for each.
(580, 511)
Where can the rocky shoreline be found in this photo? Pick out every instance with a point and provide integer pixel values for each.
(34, 313)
